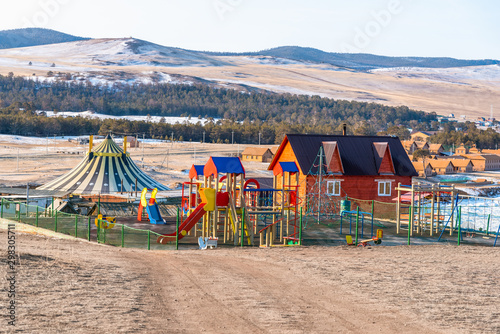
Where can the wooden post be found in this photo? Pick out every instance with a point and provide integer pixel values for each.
(438, 207)
(410, 215)
(398, 210)
(419, 224)
(432, 209)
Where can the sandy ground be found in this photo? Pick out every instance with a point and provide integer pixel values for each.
(70, 285)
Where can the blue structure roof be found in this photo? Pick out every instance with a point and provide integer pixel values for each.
(289, 166)
(223, 165)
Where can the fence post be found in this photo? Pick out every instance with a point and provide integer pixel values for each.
(123, 235)
(55, 223)
(149, 240)
(36, 218)
(357, 221)
(300, 228)
(88, 232)
(1, 210)
(488, 225)
(177, 230)
(76, 226)
(19, 213)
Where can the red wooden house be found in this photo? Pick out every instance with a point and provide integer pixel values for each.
(360, 167)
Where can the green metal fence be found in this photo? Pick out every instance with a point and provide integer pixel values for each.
(81, 226)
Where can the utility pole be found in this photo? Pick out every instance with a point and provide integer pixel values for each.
(172, 139)
(143, 138)
(203, 137)
(232, 137)
(18, 159)
(47, 145)
(259, 137)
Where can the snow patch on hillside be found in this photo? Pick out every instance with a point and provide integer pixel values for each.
(152, 119)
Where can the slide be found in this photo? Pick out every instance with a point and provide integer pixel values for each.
(154, 214)
(187, 225)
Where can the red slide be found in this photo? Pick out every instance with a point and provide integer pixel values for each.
(188, 224)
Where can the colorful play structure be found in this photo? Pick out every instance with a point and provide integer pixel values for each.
(151, 207)
(218, 203)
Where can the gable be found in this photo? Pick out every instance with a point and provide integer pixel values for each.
(332, 156)
(383, 158)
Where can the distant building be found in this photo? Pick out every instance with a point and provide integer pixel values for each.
(436, 149)
(132, 142)
(419, 167)
(484, 162)
(443, 166)
(463, 165)
(422, 135)
(257, 154)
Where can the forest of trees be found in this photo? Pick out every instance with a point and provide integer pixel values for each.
(253, 111)
(230, 113)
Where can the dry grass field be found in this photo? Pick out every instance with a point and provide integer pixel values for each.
(462, 91)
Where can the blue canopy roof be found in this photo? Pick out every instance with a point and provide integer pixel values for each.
(223, 165)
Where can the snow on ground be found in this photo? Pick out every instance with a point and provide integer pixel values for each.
(487, 73)
(153, 119)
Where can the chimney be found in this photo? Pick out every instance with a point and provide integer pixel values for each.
(344, 129)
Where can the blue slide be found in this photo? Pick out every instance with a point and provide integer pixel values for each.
(154, 214)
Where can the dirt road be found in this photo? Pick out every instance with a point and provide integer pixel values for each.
(69, 285)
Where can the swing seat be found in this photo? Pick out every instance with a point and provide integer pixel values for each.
(348, 239)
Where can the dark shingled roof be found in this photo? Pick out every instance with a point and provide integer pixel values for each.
(358, 154)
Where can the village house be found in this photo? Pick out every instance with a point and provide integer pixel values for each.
(362, 167)
(409, 146)
(484, 162)
(421, 135)
(436, 149)
(443, 166)
(419, 167)
(463, 165)
(421, 145)
(257, 154)
(132, 142)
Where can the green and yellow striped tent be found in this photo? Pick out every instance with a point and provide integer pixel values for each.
(106, 169)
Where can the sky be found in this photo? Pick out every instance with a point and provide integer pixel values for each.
(430, 28)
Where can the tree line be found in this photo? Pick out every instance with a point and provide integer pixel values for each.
(250, 111)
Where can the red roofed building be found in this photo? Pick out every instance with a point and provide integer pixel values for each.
(361, 167)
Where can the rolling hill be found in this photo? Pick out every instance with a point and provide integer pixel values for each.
(442, 85)
(17, 38)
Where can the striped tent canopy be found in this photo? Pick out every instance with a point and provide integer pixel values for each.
(102, 171)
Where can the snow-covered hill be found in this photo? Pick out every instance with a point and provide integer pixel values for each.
(117, 52)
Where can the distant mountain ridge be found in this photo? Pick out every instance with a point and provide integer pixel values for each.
(17, 38)
(359, 61)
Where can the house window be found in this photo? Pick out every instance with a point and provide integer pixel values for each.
(384, 188)
(333, 188)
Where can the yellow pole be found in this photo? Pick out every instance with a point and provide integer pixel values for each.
(125, 144)
(91, 143)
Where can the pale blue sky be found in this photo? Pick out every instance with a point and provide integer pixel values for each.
(460, 28)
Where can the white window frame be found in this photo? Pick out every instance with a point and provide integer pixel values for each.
(333, 187)
(385, 182)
